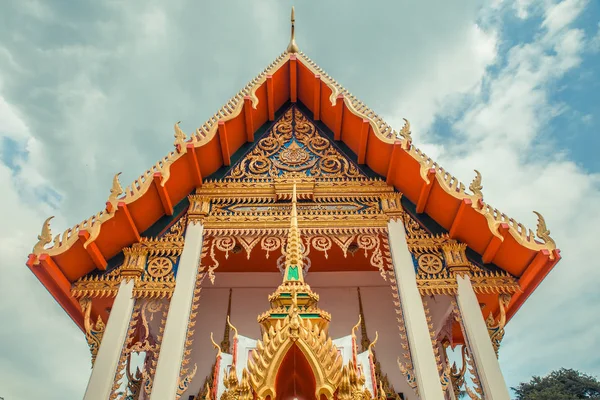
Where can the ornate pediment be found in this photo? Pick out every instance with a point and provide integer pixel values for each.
(294, 146)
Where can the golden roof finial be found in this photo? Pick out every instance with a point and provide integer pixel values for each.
(293, 47)
(116, 189)
(293, 256)
(476, 185)
(44, 237)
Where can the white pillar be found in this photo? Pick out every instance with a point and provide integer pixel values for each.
(487, 364)
(173, 343)
(419, 340)
(103, 375)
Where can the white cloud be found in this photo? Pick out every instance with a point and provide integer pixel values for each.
(11, 125)
(36, 333)
(561, 14)
(503, 134)
(595, 41)
(453, 72)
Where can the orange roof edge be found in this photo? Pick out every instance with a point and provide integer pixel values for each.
(531, 279)
(57, 285)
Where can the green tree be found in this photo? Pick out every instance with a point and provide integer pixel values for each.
(564, 384)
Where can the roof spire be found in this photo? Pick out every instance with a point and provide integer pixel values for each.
(293, 256)
(293, 47)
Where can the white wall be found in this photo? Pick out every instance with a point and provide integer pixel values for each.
(338, 296)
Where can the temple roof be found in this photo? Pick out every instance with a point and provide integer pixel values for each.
(292, 77)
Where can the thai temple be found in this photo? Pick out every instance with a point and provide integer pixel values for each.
(294, 247)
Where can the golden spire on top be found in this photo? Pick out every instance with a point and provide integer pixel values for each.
(293, 47)
(293, 256)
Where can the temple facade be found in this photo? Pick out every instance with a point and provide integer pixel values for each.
(294, 247)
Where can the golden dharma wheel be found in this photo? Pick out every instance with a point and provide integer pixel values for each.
(430, 263)
(160, 267)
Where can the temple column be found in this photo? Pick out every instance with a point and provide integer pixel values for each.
(173, 343)
(419, 339)
(480, 345)
(105, 367)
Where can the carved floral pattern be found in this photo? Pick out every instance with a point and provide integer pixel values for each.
(294, 144)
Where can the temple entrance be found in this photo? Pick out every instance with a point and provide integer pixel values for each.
(295, 379)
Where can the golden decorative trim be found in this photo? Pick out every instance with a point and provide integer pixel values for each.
(229, 190)
(352, 385)
(321, 354)
(199, 208)
(370, 241)
(152, 357)
(135, 261)
(235, 390)
(154, 288)
(185, 375)
(294, 147)
(120, 371)
(477, 392)
(108, 286)
(391, 204)
(96, 286)
(159, 267)
(444, 283)
(456, 256)
(443, 370)
(405, 364)
(496, 329)
(93, 333)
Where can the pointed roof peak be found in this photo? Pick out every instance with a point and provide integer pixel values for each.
(293, 47)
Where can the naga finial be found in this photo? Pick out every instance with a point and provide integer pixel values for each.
(543, 232)
(293, 47)
(293, 256)
(235, 331)
(355, 327)
(215, 345)
(405, 131)
(116, 189)
(180, 136)
(373, 343)
(44, 237)
(476, 185)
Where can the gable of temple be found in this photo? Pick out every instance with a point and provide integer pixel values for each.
(294, 145)
(429, 193)
(294, 177)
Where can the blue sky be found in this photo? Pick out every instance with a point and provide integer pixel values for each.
(509, 87)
